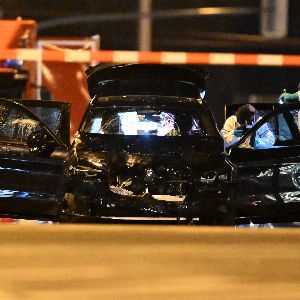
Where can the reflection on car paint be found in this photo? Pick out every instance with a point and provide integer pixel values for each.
(265, 173)
(23, 127)
(290, 197)
(296, 176)
(270, 197)
(7, 193)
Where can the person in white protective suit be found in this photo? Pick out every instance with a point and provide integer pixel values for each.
(236, 125)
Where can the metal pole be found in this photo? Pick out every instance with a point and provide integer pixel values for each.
(274, 18)
(145, 25)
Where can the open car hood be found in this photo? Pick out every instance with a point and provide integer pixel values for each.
(146, 79)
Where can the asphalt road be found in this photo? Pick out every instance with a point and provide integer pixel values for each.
(148, 262)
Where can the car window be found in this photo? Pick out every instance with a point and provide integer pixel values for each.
(279, 130)
(15, 124)
(144, 122)
(51, 116)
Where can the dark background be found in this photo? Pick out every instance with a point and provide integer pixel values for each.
(116, 21)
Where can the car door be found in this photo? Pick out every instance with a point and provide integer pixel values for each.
(32, 162)
(266, 177)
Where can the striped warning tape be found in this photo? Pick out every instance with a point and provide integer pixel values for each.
(163, 57)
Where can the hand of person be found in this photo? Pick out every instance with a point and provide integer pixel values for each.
(283, 96)
(287, 97)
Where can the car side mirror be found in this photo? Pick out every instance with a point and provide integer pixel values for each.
(40, 143)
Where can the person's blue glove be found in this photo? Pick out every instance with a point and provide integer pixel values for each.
(287, 97)
(238, 132)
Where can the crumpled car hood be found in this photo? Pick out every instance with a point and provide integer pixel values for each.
(126, 151)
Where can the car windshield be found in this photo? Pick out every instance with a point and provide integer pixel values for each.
(141, 121)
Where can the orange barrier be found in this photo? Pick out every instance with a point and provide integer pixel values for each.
(111, 56)
(17, 33)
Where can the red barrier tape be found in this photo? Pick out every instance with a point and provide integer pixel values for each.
(163, 57)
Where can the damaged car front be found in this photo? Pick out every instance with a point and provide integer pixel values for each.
(143, 156)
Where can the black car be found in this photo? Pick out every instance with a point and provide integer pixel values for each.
(147, 149)
(265, 180)
(34, 143)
